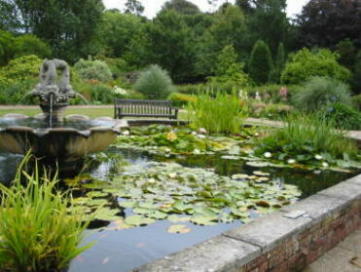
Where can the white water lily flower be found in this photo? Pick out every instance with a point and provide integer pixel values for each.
(200, 136)
(196, 151)
(291, 161)
(325, 164)
(167, 150)
(126, 133)
(267, 154)
(318, 157)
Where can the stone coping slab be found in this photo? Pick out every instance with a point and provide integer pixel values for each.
(234, 249)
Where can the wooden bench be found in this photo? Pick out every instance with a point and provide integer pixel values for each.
(144, 108)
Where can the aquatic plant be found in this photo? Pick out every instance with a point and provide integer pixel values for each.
(39, 230)
(219, 114)
(305, 137)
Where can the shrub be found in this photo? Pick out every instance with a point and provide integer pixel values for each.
(356, 100)
(31, 45)
(219, 114)
(344, 116)
(306, 64)
(95, 92)
(6, 47)
(39, 230)
(179, 99)
(93, 70)
(22, 68)
(303, 137)
(271, 93)
(318, 93)
(16, 93)
(117, 66)
(270, 111)
(260, 63)
(154, 83)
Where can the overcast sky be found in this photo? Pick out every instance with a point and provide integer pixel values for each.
(153, 6)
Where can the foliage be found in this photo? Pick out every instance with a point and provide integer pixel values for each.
(304, 137)
(118, 31)
(180, 99)
(219, 114)
(154, 83)
(318, 93)
(134, 7)
(280, 61)
(6, 47)
(305, 64)
(170, 27)
(95, 92)
(181, 6)
(356, 80)
(270, 111)
(318, 20)
(31, 45)
(347, 52)
(356, 100)
(16, 92)
(93, 70)
(38, 230)
(343, 116)
(117, 66)
(271, 93)
(22, 68)
(260, 63)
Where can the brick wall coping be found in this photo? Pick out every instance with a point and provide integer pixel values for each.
(326, 213)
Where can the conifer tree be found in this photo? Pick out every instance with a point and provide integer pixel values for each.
(260, 64)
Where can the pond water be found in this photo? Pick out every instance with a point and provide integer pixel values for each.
(123, 250)
(117, 249)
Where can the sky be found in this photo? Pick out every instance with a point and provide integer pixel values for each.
(153, 6)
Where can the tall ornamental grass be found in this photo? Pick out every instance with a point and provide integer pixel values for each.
(221, 114)
(39, 230)
(308, 135)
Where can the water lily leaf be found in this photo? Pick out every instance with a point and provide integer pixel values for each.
(263, 203)
(127, 204)
(203, 220)
(260, 173)
(96, 194)
(181, 229)
(96, 202)
(240, 176)
(158, 215)
(229, 157)
(119, 225)
(106, 214)
(138, 220)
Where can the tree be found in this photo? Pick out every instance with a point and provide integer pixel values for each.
(305, 64)
(7, 48)
(260, 63)
(228, 28)
(347, 51)
(170, 45)
(324, 23)
(134, 7)
(28, 44)
(68, 26)
(356, 80)
(181, 6)
(117, 30)
(279, 63)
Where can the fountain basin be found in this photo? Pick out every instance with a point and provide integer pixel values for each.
(65, 141)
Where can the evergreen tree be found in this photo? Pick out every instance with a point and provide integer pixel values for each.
(260, 64)
(279, 64)
(356, 82)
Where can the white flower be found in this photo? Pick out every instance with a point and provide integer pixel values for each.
(200, 136)
(126, 133)
(196, 151)
(267, 154)
(120, 91)
(318, 157)
(325, 164)
(291, 161)
(167, 149)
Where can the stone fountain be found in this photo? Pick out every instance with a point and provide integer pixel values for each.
(52, 137)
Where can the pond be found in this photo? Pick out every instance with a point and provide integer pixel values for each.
(145, 206)
(122, 249)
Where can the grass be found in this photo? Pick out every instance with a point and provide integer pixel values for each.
(221, 114)
(39, 231)
(308, 136)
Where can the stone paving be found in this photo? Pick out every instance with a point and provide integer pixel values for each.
(345, 257)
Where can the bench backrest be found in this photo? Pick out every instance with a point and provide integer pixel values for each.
(144, 108)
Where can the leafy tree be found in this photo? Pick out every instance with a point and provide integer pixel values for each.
(347, 51)
(6, 45)
(260, 63)
(181, 6)
(228, 28)
(324, 23)
(279, 63)
(170, 44)
(134, 7)
(305, 64)
(31, 45)
(8, 18)
(68, 26)
(117, 31)
(154, 83)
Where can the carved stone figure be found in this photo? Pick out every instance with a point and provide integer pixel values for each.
(54, 83)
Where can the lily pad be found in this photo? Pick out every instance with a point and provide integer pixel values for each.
(180, 229)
